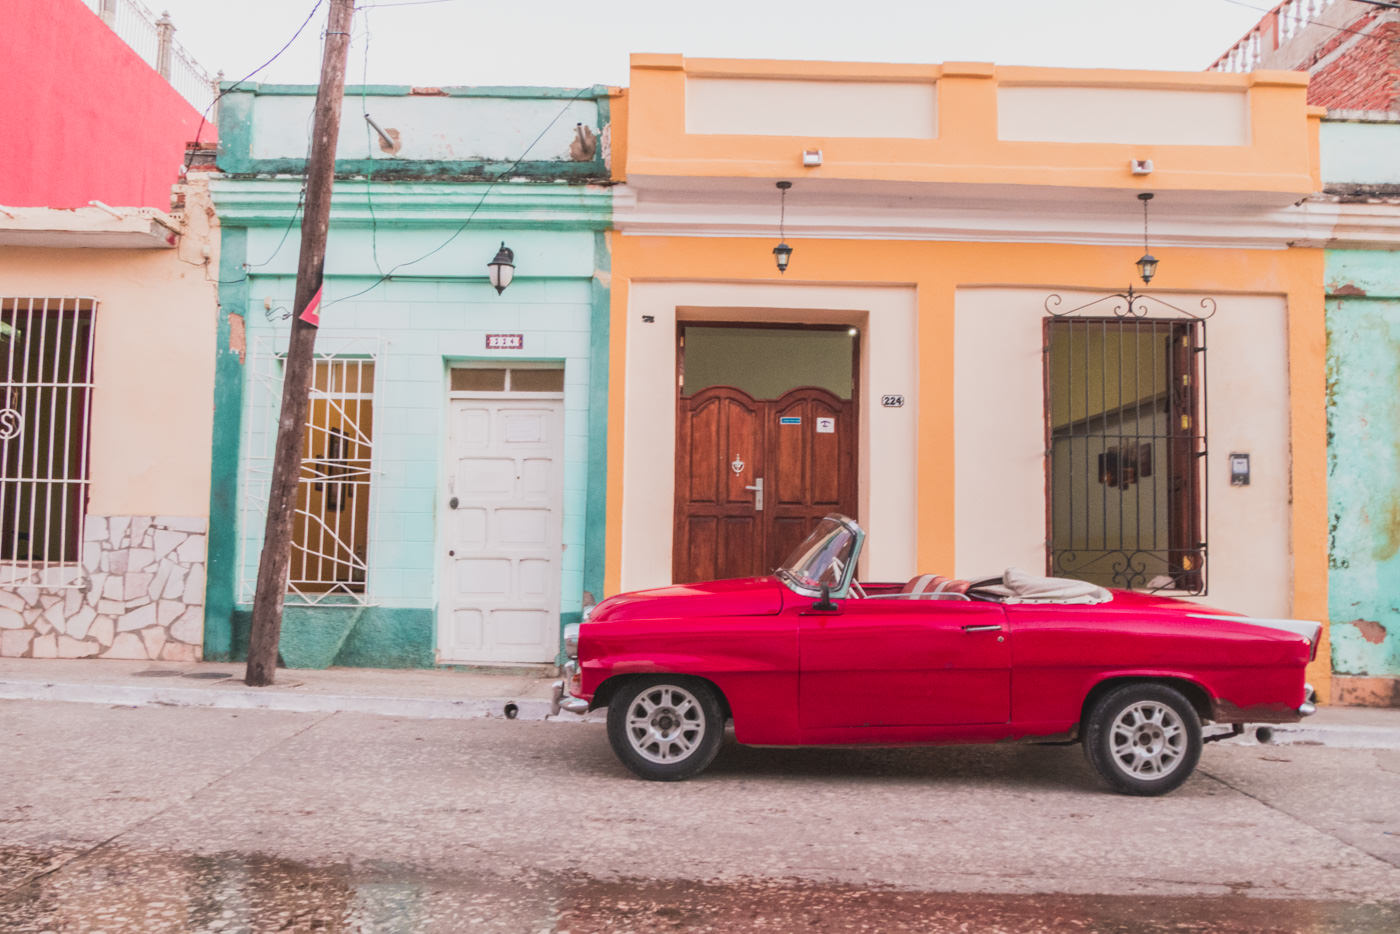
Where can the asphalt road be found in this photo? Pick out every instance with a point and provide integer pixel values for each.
(175, 819)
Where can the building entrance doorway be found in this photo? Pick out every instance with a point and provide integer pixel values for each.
(766, 440)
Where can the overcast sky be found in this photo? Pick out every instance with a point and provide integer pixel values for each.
(578, 43)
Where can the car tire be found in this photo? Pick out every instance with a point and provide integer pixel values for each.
(665, 727)
(1143, 739)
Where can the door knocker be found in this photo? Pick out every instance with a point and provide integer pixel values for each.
(738, 465)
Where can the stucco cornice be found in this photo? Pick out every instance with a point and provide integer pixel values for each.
(977, 214)
(1360, 225)
(271, 202)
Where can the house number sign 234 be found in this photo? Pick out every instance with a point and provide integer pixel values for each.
(892, 401)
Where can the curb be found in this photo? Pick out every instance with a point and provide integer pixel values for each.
(1337, 736)
(496, 708)
(1341, 736)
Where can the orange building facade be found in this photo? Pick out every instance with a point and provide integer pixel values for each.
(951, 354)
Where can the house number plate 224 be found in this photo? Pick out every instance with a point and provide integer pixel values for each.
(892, 401)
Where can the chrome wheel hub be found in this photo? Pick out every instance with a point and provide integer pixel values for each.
(1148, 740)
(665, 723)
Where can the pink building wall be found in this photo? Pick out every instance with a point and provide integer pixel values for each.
(82, 116)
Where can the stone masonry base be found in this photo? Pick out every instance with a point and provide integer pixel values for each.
(143, 596)
(1365, 692)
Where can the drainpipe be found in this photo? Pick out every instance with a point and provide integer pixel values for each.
(109, 13)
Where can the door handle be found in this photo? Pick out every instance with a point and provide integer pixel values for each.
(994, 626)
(757, 489)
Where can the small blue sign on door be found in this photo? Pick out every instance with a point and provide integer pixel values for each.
(789, 419)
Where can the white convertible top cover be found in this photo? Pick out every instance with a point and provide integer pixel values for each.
(1019, 587)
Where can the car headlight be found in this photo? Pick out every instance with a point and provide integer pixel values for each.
(571, 640)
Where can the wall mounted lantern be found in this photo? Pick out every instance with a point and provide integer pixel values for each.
(501, 269)
(1147, 265)
(782, 252)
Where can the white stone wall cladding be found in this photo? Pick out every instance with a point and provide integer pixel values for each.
(144, 597)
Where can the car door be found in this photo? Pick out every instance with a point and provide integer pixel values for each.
(903, 662)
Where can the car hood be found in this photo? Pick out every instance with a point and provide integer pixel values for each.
(743, 596)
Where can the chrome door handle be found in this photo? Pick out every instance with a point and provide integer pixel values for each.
(757, 489)
(996, 626)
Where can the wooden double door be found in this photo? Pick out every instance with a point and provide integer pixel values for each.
(753, 476)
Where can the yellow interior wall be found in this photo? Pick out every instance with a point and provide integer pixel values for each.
(765, 363)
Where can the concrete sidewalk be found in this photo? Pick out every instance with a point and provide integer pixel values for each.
(505, 693)
(510, 693)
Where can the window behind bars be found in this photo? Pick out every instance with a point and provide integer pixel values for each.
(45, 397)
(1126, 446)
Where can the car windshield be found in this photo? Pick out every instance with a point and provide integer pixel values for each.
(823, 558)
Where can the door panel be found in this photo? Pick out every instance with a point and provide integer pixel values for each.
(903, 663)
(813, 473)
(503, 531)
(717, 531)
(807, 465)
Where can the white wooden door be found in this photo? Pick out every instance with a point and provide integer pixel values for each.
(504, 535)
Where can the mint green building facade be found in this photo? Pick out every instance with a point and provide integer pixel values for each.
(453, 478)
(1361, 178)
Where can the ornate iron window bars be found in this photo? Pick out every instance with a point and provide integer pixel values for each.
(1126, 452)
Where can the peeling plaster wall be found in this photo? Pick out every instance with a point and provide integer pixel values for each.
(1363, 469)
(1363, 429)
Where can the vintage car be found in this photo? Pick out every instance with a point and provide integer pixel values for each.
(810, 657)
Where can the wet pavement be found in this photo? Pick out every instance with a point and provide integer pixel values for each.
(116, 890)
(172, 819)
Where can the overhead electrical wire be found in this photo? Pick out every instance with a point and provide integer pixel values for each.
(369, 148)
(204, 117)
(383, 276)
(475, 208)
(1312, 22)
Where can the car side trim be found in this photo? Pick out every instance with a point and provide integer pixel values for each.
(1306, 628)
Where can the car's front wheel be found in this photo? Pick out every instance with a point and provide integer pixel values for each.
(665, 728)
(1143, 739)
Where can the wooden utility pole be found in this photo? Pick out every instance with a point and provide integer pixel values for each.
(300, 364)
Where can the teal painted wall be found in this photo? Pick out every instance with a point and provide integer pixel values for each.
(355, 636)
(1363, 476)
(422, 218)
(415, 329)
(228, 407)
(462, 132)
(1363, 415)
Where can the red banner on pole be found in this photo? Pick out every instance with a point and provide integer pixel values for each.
(312, 314)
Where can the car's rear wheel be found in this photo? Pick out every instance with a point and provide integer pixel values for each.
(665, 727)
(1143, 739)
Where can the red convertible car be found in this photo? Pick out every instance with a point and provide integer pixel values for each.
(809, 657)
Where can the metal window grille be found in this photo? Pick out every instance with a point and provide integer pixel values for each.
(45, 397)
(1126, 451)
(331, 526)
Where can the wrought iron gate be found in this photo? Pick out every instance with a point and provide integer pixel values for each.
(1126, 451)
